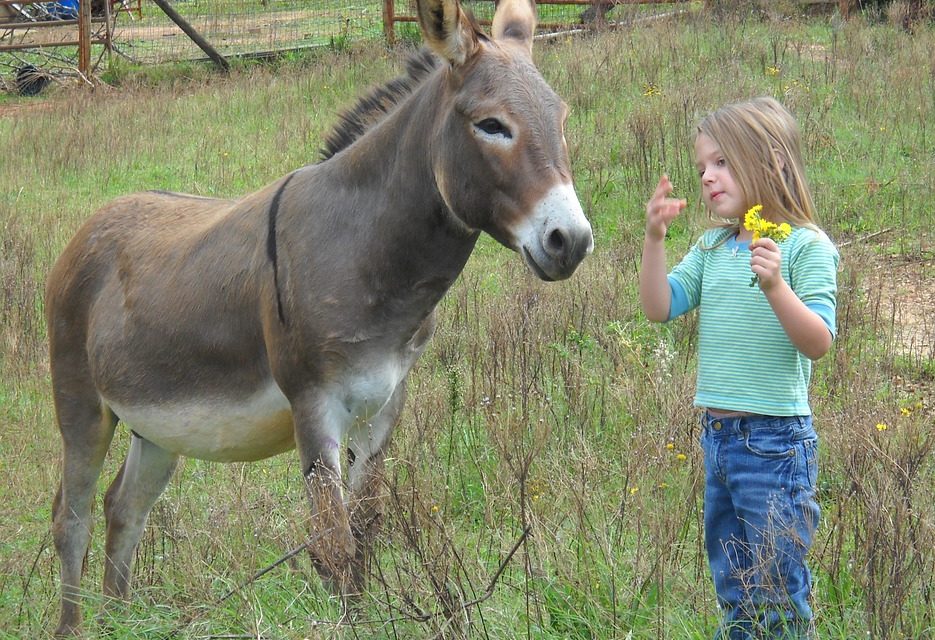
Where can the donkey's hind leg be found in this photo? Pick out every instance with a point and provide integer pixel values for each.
(142, 478)
(87, 428)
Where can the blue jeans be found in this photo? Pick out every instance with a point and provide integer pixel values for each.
(760, 516)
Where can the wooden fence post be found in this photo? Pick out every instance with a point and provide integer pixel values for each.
(389, 31)
(84, 37)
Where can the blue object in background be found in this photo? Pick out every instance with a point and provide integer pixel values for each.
(63, 9)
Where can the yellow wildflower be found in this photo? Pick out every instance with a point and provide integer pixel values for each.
(670, 446)
(762, 228)
(633, 490)
(752, 216)
(681, 456)
(772, 71)
(881, 426)
(905, 411)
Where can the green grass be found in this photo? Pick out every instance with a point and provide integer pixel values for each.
(555, 406)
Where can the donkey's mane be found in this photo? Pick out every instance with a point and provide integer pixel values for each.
(370, 109)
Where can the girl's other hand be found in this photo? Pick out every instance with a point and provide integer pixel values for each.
(661, 209)
(765, 260)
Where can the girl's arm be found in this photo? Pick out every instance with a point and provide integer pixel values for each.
(654, 287)
(655, 297)
(805, 328)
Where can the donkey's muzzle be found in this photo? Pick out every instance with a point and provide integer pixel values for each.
(556, 237)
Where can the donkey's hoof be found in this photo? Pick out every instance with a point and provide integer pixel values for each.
(67, 630)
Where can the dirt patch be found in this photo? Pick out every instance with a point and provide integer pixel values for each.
(899, 293)
(15, 109)
(905, 287)
(225, 25)
(895, 298)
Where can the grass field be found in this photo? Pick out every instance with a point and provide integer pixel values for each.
(556, 407)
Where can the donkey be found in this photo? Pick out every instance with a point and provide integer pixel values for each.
(235, 330)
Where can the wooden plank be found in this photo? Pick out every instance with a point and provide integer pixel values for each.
(48, 45)
(47, 23)
(196, 37)
(613, 3)
(390, 19)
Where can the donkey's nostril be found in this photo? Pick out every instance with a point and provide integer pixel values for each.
(555, 242)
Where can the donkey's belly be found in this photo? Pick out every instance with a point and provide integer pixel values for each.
(219, 429)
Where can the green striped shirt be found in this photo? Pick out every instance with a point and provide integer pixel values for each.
(746, 362)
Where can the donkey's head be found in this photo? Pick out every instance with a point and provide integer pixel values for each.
(504, 167)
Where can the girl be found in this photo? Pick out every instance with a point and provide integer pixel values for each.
(766, 311)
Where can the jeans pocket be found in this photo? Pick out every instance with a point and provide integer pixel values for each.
(811, 461)
(769, 443)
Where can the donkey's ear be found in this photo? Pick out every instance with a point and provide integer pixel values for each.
(447, 30)
(515, 20)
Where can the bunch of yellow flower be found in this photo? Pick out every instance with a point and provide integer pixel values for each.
(762, 228)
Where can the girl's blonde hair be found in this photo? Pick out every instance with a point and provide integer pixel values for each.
(759, 139)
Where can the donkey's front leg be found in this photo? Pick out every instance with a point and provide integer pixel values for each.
(319, 429)
(366, 451)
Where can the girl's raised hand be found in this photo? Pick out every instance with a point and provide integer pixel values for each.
(661, 209)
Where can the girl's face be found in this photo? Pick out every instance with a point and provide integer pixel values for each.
(720, 192)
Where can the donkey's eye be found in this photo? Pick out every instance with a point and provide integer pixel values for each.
(493, 127)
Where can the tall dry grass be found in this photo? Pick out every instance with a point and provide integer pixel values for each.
(556, 410)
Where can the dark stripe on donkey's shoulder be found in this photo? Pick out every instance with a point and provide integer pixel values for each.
(271, 245)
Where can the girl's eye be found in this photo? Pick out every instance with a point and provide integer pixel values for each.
(721, 162)
(493, 127)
